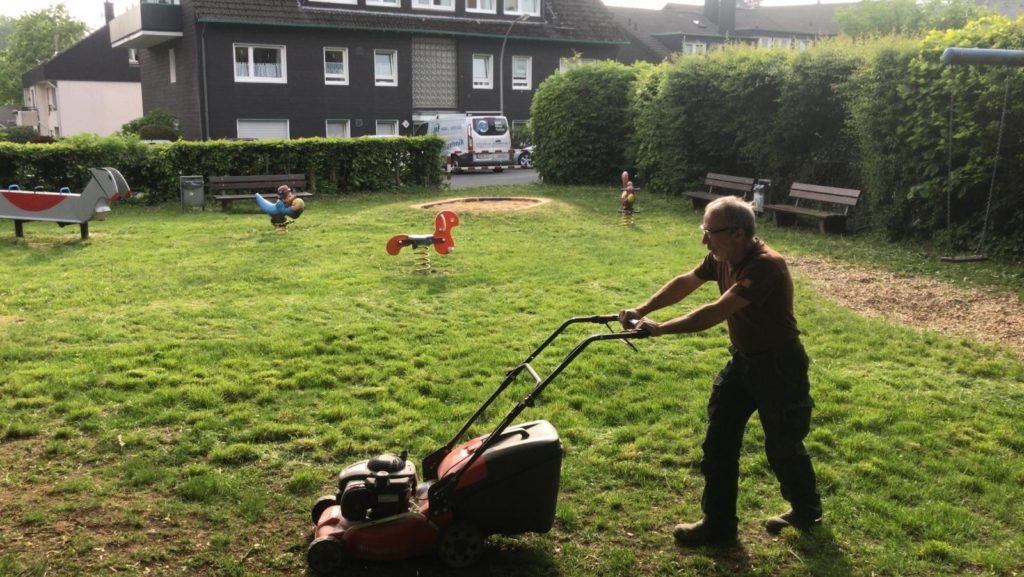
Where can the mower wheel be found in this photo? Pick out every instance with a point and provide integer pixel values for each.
(325, 556)
(460, 545)
(322, 504)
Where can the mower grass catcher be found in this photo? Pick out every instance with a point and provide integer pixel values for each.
(502, 483)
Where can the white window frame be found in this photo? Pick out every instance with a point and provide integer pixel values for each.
(486, 83)
(384, 81)
(385, 3)
(336, 79)
(283, 59)
(393, 123)
(353, 2)
(493, 9)
(173, 65)
(443, 5)
(522, 83)
(515, 7)
(287, 124)
(694, 48)
(340, 122)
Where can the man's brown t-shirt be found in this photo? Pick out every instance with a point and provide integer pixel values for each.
(763, 280)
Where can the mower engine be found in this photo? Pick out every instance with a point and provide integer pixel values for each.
(377, 488)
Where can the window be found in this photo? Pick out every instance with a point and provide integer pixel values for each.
(691, 48)
(384, 67)
(483, 71)
(388, 3)
(434, 4)
(338, 129)
(261, 129)
(339, 1)
(531, 7)
(336, 65)
(255, 63)
(481, 6)
(522, 72)
(387, 128)
(173, 65)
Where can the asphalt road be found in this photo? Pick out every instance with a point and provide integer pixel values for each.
(473, 179)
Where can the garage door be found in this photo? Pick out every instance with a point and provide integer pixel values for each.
(263, 129)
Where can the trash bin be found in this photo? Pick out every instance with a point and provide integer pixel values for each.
(192, 195)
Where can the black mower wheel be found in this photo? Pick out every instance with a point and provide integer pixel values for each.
(322, 504)
(460, 545)
(325, 556)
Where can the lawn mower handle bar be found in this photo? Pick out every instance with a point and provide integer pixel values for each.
(431, 463)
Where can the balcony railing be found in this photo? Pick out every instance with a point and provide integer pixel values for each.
(150, 23)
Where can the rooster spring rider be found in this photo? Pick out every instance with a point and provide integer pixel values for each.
(441, 240)
(627, 198)
(106, 185)
(287, 205)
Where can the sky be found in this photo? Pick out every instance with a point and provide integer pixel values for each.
(91, 11)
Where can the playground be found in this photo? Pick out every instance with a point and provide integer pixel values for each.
(181, 387)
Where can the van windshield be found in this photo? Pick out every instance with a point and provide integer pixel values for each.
(490, 125)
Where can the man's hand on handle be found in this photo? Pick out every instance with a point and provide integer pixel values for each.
(632, 319)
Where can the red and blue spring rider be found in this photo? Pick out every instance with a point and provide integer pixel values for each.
(441, 240)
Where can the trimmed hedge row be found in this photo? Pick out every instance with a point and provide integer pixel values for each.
(331, 165)
(870, 115)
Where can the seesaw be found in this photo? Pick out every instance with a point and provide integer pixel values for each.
(105, 186)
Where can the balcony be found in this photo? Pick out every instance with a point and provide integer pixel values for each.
(146, 25)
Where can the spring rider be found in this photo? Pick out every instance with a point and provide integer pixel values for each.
(441, 240)
(287, 205)
(627, 198)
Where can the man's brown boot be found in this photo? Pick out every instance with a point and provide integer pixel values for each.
(704, 533)
(790, 518)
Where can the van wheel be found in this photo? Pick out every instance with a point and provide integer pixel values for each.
(456, 169)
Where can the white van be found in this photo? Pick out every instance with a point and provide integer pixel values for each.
(472, 140)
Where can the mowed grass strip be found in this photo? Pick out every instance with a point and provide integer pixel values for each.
(177, 391)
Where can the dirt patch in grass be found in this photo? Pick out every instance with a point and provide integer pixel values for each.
(484, 203)
(993, 317)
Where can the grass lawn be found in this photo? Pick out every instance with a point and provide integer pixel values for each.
(176, 392)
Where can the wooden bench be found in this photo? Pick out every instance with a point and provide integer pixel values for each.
(830, 205)
(222, 185)
(717, 185)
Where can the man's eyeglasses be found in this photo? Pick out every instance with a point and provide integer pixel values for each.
(713, 231)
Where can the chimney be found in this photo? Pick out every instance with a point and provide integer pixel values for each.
(108, 11)
(711, 10)
(727, 16)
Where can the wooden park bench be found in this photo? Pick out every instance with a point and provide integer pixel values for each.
(719, 185)
(225, 187)
(830, 205)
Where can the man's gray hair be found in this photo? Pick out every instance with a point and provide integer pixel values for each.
(736, 212)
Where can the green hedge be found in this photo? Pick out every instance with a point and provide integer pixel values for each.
(581, 126)
(872, 115)
(330, 165)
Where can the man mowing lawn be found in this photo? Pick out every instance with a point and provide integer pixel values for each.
(767, 372)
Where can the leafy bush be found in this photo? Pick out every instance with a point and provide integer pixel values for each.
(19, 134)
(156, 118)
(581, 123)
(330, 165)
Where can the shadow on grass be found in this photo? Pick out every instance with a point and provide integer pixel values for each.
(504, 558)
(822, 555)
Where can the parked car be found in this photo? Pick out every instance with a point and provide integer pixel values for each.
(524, 157)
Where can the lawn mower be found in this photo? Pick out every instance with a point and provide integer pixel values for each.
(504, 483)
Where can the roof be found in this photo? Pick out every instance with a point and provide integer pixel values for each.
(563, 20)
(645, 26)
(809, 19)
(89, 59)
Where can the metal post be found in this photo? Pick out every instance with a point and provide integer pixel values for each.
(501, 64)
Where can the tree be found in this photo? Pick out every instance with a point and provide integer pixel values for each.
(34, 39)
(6, 27)
(155, 125)
(906, 17)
